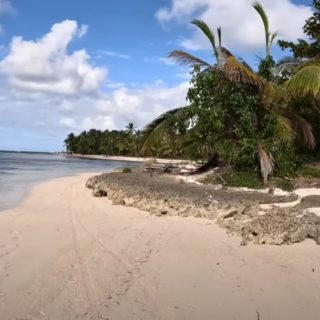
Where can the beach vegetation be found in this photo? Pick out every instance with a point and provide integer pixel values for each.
(109, 143)
(261, 122)
(250, 120)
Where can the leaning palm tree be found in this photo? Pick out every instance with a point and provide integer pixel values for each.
(234, 70)
(225, 61)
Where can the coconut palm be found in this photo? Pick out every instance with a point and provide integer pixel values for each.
(269, 36)
(130, 128)
(275, 101)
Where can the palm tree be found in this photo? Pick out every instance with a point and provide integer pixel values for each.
(225, 61)
(131, 128)
(276, 100)
(269, 37)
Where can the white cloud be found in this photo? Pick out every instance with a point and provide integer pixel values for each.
(45, 65)
(115, 85)
(115, 109)
(6, 7)
(46, 87)
(114, 54)
(67, 106)
(101, 122)
(69, 123)
(165, 61)
(141, 105)
(83, 30)
(241, 25)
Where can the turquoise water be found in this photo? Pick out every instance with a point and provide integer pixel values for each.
(21, 171)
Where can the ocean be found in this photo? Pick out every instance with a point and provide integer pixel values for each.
(19, 172)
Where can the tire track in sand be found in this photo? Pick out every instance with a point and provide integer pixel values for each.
(86, 278)
(132, 273)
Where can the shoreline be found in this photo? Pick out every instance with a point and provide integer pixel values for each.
(275, 218)
(67, 255)
(128, 159)
(21, 196)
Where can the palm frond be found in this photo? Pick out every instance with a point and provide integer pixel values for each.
(223, 55)
(188, 59)
(266, 163)
(236, 71)
(309, 63)
(259, 8)
(286, 65)
(305, 82)
(274, 97)
(284, 128)
(208, 32)
(219, 30)
(272, 36)
(304, 128)
(156, 130)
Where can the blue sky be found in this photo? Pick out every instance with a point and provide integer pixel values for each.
(73, 65)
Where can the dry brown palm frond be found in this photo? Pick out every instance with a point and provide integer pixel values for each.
(304, 128)
(187, 59)
(236, 71)
(266, 163)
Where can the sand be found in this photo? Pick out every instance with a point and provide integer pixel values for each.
(128, 159)
(67, 255)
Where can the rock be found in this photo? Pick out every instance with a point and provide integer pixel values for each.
(237, 211)
(99, 193)
(118, 201)
(312, 201)
(230, 214)
(233, 213)
(271, 191)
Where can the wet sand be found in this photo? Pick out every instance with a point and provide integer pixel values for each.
(67, 255)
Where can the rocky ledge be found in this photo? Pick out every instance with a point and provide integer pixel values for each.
(238, 211)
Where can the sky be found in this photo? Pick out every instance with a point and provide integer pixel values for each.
(69, 66)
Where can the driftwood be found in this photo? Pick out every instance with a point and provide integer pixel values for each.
(169, 168)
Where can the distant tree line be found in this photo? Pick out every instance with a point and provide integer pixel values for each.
(127, 142)
(109, 142)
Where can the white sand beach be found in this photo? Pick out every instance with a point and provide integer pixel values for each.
(65, 255)
(128, 159)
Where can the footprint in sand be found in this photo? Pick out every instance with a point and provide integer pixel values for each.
(11, 245)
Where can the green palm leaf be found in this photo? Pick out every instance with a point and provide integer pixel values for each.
(258, 7)
(155, 131)
(305, 82)
(208, 32)
(188, 59)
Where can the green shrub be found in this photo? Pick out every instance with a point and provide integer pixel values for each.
(243, 179)
(286, 162)
(285, 184)
(310, 172)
